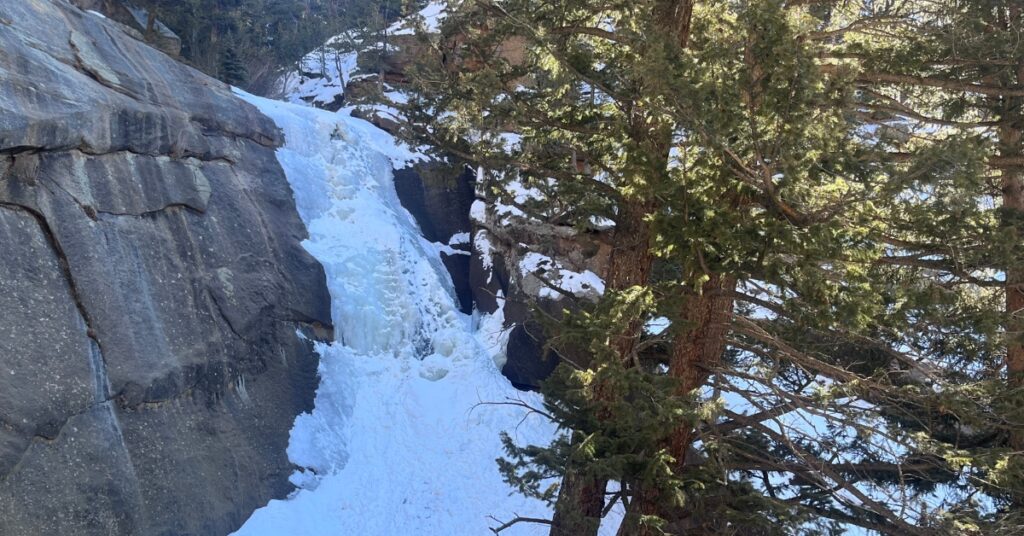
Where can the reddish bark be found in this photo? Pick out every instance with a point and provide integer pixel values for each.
(696, 352)
(579, 507)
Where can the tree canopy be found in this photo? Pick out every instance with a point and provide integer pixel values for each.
(823, 198)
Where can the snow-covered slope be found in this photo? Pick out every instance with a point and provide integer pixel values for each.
(398, 443)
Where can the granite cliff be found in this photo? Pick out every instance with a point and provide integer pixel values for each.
(152, 285)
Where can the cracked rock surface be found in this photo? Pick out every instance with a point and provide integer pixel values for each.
(151, 286)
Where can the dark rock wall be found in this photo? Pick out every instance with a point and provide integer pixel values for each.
(497, 279)
(439, 196)
(151, 286)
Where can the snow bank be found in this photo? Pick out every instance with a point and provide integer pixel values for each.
(398, 443)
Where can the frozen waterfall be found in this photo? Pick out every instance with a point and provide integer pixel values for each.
(398, 443)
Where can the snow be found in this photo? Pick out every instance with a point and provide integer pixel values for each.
(97, 13)
(458, 239)
(447, 249)
(478, 211)
(375, 139)
(398, 97)
(511, 141)
(333, 72)
(504, 212)
(398, 442)
(432, 16)
(600, 223)
(578, 284)
(482, 245)
(522, 193)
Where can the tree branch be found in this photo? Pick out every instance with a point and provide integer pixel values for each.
(517, 519)
(930, 81)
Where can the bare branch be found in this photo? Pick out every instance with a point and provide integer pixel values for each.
(517, 519)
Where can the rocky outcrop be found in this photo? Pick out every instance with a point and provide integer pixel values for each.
(135, 21)
(151, 286)
(503, 275)
(492, 275)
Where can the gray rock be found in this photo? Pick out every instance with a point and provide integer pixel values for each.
(151, 286)
(135, 22)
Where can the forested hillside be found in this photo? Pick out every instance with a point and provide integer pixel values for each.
(250, 42)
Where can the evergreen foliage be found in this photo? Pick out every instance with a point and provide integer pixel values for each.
(232, 70)
(824, 198)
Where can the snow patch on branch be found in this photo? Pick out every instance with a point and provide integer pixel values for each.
(579, 284)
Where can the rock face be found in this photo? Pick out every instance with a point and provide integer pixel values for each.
(439, 196)
(500, 277)
(135, 21)
(490, 276)
(151, 286)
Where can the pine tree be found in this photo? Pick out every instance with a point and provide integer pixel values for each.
(948, 77)
(232, 70)
(830, 269)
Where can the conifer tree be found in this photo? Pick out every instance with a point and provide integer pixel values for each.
(948, 79)
(800, 188)
(232, 70)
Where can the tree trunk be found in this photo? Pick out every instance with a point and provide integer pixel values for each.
(579, 507)
(629, 266)
(1011, 150)
(1013, 205)
(700, 350)
(1013, 198)
(581, 497)
(1011, 145)
(695, 353)
(674, 18)
(644, 501)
